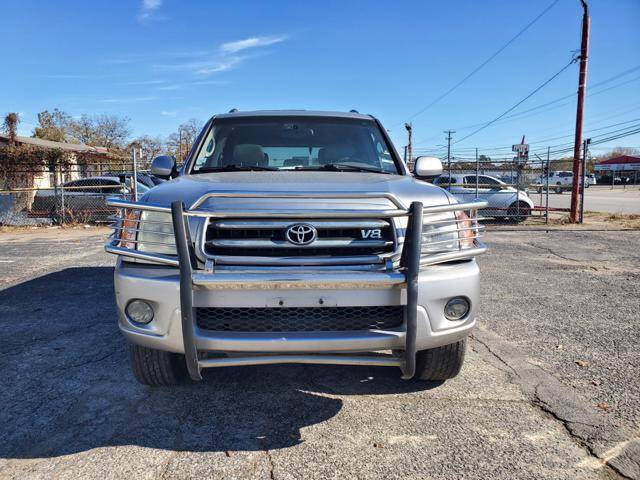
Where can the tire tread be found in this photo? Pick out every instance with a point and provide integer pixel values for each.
(155, 367)
(440, 363)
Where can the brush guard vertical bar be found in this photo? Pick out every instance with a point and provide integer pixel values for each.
(410, 262)
(183, 246)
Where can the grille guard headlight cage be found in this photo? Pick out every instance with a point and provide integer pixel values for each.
(145, 231)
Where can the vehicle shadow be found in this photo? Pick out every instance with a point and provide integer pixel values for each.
(68, 388)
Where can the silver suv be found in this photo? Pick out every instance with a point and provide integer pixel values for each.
(295, 237)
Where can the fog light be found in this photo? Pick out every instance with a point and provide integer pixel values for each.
(456, 308)
(139, 311)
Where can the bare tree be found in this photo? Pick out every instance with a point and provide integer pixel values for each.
(179, 143)
(151, 147)
(54, 126)
(112, 131)
(83, 130)
(620, 151)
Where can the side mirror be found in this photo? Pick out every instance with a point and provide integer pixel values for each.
(163, 166)
(428, 167)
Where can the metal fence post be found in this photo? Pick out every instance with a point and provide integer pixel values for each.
(135, 176)
(547, 185)
(612, 179)
(477, 172)
(583, 177)
(62, 203)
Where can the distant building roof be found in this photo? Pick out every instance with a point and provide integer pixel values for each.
(622, 159)
(39, 142)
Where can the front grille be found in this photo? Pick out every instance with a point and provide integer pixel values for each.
(257, 238)
(299, 319)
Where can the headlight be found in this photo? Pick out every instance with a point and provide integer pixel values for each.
(129, 229)
(155, 233)
(446, 233)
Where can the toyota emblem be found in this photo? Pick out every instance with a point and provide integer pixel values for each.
(301, 234)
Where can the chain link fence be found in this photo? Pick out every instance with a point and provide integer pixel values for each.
(516, 192)
(71, 194)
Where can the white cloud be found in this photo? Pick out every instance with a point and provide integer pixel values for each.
(164, 113)
(251, 42)
(225, 58)
(144, 82)
(204, 67)
(182, 86)
(151, 4)
(148, 9)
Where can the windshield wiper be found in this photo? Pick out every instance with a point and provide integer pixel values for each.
(339, 167)
(346, 167)
(234, 168)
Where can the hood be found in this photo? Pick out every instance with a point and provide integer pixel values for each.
(190, 188)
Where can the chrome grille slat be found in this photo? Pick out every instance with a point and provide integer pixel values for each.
(320, 243)
(324, 224)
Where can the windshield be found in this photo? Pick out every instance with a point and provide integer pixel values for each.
(295, 143)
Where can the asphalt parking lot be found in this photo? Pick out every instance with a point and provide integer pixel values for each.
(550, 388)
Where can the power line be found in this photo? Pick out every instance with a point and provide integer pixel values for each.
(546, 82)
(479, 67)
(523, 113)
(464, 153)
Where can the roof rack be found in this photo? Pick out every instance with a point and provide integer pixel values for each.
(233, 110)
(353, 110)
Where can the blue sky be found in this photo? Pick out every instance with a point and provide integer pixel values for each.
(162, 62)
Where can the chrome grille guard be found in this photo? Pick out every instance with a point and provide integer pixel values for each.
(414, 254)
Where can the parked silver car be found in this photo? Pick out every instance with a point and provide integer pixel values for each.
(503, 201)
(295, 237)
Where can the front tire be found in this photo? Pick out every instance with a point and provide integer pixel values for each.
(156, 368)
(440, 363)
(558, 188)
(518, 211)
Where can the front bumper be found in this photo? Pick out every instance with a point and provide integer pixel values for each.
(160, 286)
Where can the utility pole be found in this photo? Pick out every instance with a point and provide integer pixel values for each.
(409, 128)
(449, 132)
(582, 84)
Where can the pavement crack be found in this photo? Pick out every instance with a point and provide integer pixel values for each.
(538, 402)
(494, 354)
(269, 459)
(167, 464)
(86, 362)
(552, 252)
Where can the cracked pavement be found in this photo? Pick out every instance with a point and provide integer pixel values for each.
(521, 408)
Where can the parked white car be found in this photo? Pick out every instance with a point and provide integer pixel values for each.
(504, 201)
(562, 180)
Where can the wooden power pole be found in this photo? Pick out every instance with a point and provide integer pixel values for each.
(582, 85)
